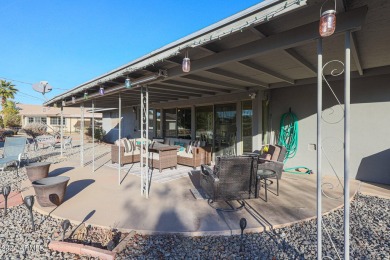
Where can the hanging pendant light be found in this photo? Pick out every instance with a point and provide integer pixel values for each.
(101, 91)
(186, 65)
(63, 103)
(73, 100)
(127, 83)
(85, 95)
(327, 21)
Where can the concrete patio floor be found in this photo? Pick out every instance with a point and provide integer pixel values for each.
(97, 199)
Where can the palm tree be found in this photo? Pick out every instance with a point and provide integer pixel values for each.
(7, 90)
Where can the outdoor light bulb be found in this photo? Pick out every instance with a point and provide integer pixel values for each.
(327, 23)
(186, 66)
(85, 95)
(101, 91)
(73, 100)
(127, 83)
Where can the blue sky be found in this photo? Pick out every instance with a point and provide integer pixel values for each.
(70, 42)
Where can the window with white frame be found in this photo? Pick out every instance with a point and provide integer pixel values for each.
(57, 121)
(37, 120)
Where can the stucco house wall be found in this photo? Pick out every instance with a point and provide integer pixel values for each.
(370, 124)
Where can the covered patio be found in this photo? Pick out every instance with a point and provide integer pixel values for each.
(268, 59)
(172, 207)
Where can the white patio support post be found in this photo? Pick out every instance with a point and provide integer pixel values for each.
(319, 149)
(119, 137)
(347, 100)
(145, 141)
(93, 136)
(82, 136)
(62, 129)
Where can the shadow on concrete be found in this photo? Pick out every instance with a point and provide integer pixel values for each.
(77, 186)
(375, 168)
(60, 171)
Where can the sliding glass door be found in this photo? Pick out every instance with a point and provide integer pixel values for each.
(225, 129)
(246, 130)
(204, 124)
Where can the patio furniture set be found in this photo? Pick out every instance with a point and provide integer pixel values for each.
(52, 141)
(162, 155)
(240, 177)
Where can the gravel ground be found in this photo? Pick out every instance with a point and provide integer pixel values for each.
(370, 233)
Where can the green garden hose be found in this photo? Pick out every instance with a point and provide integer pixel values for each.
(289, 138)
(289, 134)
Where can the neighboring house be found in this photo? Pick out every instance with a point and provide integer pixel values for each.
(52, 117)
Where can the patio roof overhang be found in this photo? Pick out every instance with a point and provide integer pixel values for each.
(270, 45)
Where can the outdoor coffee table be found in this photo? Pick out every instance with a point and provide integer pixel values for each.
(264, 174)
(167, 157)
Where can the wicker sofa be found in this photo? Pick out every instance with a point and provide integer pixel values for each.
(128, 151)
(191, 153)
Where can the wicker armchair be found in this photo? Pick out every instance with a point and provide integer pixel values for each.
(198, 156)
(270, 159)
(232, 179)
(126, 158)
(273, 159)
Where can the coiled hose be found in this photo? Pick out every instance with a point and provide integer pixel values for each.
(289, 138)
(289, 134)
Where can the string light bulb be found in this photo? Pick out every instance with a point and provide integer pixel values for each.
(327, 21)
(186, 65)
(127, 83)
(101, 91)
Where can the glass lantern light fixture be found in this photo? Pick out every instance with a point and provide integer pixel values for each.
(101, 91)
(327, 21)
(73, 99)
(186, 65)
(127, 83)
(63, 103)
(85, 95)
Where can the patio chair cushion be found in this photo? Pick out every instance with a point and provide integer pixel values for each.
(133, 152)
(185, 154)
(128, 147)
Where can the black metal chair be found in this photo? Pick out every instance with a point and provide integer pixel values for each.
(233, 178)
(270, 166)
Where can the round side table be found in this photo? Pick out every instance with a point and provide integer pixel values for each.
(264, 174)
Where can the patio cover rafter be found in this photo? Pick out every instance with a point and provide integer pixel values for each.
(260, 68)
(194, 86)
(349, 21)
(180, 89)
(233, 75)
(214, 82)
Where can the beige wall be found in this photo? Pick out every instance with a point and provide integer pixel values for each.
(370, 124)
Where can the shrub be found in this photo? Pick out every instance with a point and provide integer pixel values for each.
(99, 133)
(35, 129)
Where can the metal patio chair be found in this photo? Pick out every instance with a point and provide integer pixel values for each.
(271, 160)
(233, 179)
(14, 152)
